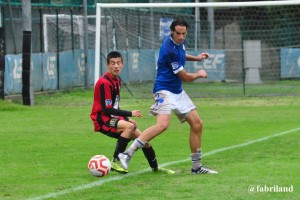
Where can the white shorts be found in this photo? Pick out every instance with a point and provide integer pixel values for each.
(166, 102)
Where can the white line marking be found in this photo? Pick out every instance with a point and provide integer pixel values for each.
(116, 178)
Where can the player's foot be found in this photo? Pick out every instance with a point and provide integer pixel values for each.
(124, 159)
(203, 170)
(116, 166)
(160, 169)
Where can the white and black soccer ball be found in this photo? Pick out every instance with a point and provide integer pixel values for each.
(99, 165)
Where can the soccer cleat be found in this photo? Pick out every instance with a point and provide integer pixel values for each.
(203, 170)
(124, 159)
(160, 169)
(116, 166)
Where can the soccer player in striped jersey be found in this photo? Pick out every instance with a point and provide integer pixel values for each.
(110, 120)
(169, 96)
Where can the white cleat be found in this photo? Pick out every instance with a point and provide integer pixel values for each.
(124, 159)
(203, 170)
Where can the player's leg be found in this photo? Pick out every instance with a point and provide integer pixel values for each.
(162, 110)
(195, 131)
(123, 131)
(127, 133)
(121, 145)
(185, 110)
(148, 151)
(196, 143)
(150, 155)
(162, 123)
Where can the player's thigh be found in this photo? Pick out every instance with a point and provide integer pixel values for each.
(163, 120)
(125, 125)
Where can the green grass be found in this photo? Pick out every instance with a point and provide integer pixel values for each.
(222, 89)
(45, 150)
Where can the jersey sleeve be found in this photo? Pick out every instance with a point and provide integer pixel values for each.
(175, 61)
(106, 95)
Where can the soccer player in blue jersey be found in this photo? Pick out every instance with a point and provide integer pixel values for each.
(169, 96)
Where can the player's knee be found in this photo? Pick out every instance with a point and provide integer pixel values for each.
(197, 125)
(162, 126)
(130, 127)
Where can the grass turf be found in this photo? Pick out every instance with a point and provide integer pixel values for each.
(45, 150)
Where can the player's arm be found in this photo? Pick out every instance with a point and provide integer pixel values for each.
(199, 57)
(117, 112)
(189, 77)
(109, 110)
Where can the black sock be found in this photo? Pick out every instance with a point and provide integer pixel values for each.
(120, 146)
(151, 157)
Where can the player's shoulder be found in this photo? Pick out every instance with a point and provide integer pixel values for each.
(168, 47)
(104, 80)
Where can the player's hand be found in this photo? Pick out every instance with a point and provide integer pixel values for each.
(203, 56)
(202, 73)
(136, 113)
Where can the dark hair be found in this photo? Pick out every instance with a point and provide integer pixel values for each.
(113, 54)
(178, 22)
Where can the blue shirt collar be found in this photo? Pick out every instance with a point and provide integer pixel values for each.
(174, 41)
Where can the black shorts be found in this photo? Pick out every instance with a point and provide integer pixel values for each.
(110, 128)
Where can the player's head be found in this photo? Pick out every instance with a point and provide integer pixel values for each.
(179, 28)
(113, 54)
(114, 63)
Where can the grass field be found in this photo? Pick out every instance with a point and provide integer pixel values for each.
(252, 142)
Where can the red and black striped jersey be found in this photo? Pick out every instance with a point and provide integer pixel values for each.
(106, 101)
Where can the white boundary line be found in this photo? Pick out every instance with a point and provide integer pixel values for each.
(116, 178)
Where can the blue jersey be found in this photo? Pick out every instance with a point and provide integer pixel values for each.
(171, 60)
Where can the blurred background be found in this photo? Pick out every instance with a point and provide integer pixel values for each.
(255, 50)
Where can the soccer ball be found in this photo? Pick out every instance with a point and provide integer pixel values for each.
(99, 165)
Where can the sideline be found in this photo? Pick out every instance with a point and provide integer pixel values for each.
(102, 181)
